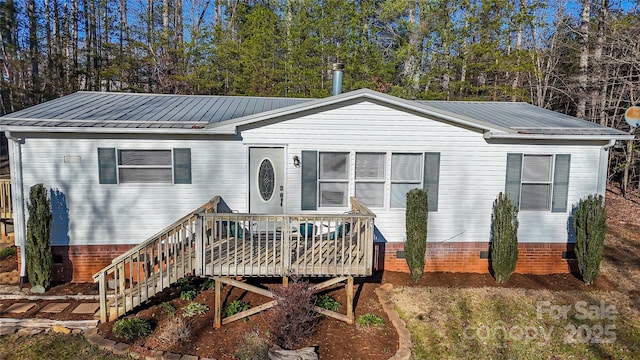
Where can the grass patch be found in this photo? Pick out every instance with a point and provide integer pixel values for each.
(52, 346)
(517, 323)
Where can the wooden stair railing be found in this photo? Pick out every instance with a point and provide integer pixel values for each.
(151, 266)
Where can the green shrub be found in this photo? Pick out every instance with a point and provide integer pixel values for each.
(38, 248)
(236, 306)
(415, 246)
(208, 285)
(590, 223)
(132, 328)
(504, 244)
(367, 321)
(6, 252)
(327, 302)
(188, 295)
(168, 308)
(194, 309)
(253, 347)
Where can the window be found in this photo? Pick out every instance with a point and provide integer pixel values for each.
(333, 179)
(326, 178)
(406, 174)
(144, 166)
(370, 178)
(534, 183)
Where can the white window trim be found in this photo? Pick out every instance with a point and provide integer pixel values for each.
(413, 181)
(382, 180)
(347, 181)
(549, 182)
(171, 167)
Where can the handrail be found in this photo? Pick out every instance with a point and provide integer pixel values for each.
(207, 242)
(209, 205)
(6, 205)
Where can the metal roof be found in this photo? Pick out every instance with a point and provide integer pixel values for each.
(522, 118)
(127, 110)
(102, 112)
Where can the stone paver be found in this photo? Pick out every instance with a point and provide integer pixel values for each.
(19, 308)
(86, 308)
(54, 308)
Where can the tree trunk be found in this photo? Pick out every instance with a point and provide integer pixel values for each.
(597, 94)
(583, 65)
(33, 51)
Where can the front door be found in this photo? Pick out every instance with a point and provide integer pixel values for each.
(266, 180)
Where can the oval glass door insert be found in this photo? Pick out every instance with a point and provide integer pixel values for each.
(266, 179)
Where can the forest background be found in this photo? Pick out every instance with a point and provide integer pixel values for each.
(577, 57)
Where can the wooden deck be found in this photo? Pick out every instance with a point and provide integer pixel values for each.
(213, 244)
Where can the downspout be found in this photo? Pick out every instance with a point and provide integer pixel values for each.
(19, 228)
(603, 168)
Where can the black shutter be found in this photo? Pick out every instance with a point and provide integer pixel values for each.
(182, 166)
(107, 173)
(309, 186)
(432, 178)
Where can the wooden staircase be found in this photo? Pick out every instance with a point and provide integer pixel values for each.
(214, 243)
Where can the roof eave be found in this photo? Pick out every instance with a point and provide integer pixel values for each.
(112, 130)
(511, 136)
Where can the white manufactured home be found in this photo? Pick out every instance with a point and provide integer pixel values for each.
(122, 167)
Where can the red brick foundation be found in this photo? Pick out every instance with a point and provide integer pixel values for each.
(79, 263)
(533, 258)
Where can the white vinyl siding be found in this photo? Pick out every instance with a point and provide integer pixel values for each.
(472, 170)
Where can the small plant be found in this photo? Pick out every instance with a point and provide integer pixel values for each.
(186, 284)
(590, 223)
(188, 295)
(236, 306)
(175, 330)
(327, 302)
(415, 247)
(253, 347)
(294, 318)
(368, 321)
(194, 309)
(504, 243)
(132, 328)
(208, 285)
(168, 308)
(6, 252)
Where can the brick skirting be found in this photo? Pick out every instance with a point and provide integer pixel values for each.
(78, 263)
(533, 258)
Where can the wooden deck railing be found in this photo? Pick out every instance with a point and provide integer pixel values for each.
(211, 243)
(6, 207)
(151, 266)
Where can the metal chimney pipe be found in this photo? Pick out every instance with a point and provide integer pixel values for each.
(337, 78)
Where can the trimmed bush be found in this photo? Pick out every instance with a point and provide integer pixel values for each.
(38, 248)
(504, 244)
(590, 223)
(415, 247)
(294, 319)
(132, 328)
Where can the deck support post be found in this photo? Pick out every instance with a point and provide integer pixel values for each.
(217, 312)
(285, 281)
(198, 239)
(103, 297)
(349, 288)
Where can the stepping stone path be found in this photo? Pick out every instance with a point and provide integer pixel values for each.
(19, 308)
(86, 308)
(54, 308)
